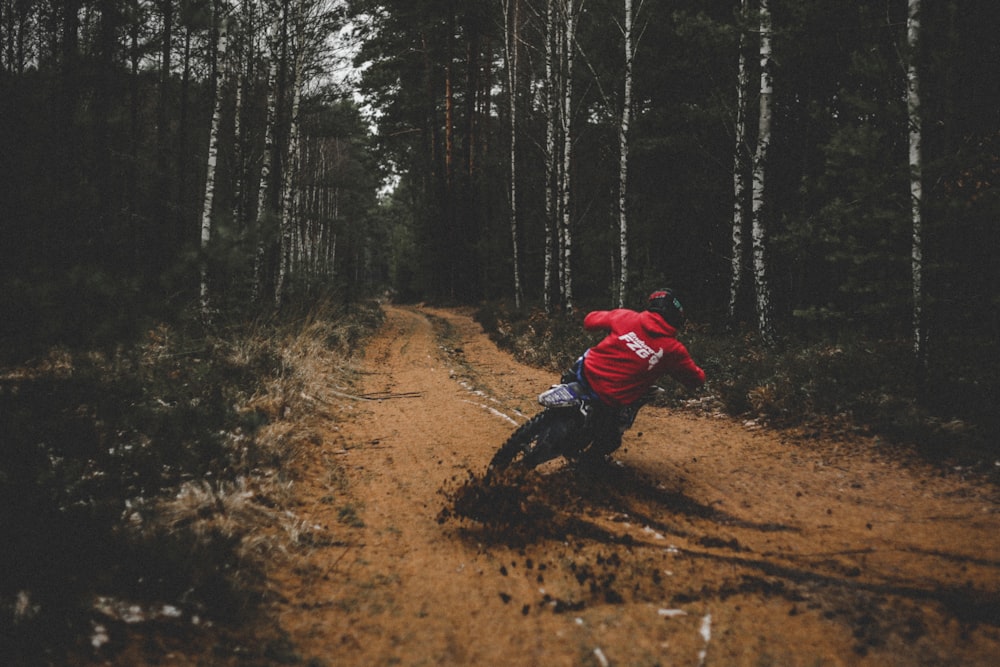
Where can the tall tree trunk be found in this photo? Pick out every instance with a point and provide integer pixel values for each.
(69, 136)
(167, 12)
(15, 26)
(133, 149)
(101, 104)
(916, 178)
(6, 38)
(167, 232)
(288, 180)
(449, 111)
(263, 190)
(213, 154)
(240, 49)
(761, 284)
(70, 70)
(181, 154)
(569, 23)
(623, 158)
(739, 170)
(511, 11)
(473, 88)
(239, 174)
(550, 157)
(23, 26)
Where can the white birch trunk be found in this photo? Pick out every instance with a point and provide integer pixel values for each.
(238, 180)
(265, 163)
(238, 153)
(739, 165)
(567, 154)
(550, 151)
(285, 255)
(916, 172)
(761, 285)
(510, 10)
(558, 91)
(213, 156)
(623, 159)
(299, 224)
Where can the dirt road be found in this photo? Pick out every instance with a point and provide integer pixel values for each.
(710, 542)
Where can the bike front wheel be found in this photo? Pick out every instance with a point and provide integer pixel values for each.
(531, 444)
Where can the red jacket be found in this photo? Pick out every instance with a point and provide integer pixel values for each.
(640, 348)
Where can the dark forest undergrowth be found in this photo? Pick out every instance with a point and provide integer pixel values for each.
(854, 385)
(145, 483)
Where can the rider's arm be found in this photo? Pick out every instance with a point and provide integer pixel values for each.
(685, 371)
(598, 319)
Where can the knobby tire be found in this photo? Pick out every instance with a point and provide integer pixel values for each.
(521, 443)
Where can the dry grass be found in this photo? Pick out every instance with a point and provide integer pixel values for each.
(157, 475)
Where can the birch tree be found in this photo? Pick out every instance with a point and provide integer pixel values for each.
(761, 285)
(916, 168)
(739, 170)
(551, 108)
(623, 156)
(166, 45)
(269, 146)
(568, 41)
(213, 154)
(511, 10)
(243, 55)
(286, 250)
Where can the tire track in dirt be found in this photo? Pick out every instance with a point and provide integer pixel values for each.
(752, 546)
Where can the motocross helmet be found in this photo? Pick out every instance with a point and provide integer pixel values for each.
(664, 302)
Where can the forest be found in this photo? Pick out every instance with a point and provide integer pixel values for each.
(165, 156)
(817, 179)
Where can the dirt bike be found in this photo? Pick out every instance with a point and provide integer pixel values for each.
(574, 424)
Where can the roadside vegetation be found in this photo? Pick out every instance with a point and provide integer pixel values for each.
(817, 385)
(149, 483)
(147, 486)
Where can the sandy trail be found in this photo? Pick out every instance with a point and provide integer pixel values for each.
(711, 543)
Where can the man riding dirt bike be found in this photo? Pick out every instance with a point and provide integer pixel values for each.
(586, 414)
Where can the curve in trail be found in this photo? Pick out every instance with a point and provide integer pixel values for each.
(780, 550)
(397, 584)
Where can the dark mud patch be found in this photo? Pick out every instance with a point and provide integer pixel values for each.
(518, 507)
(557, 518)
(524, 506)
